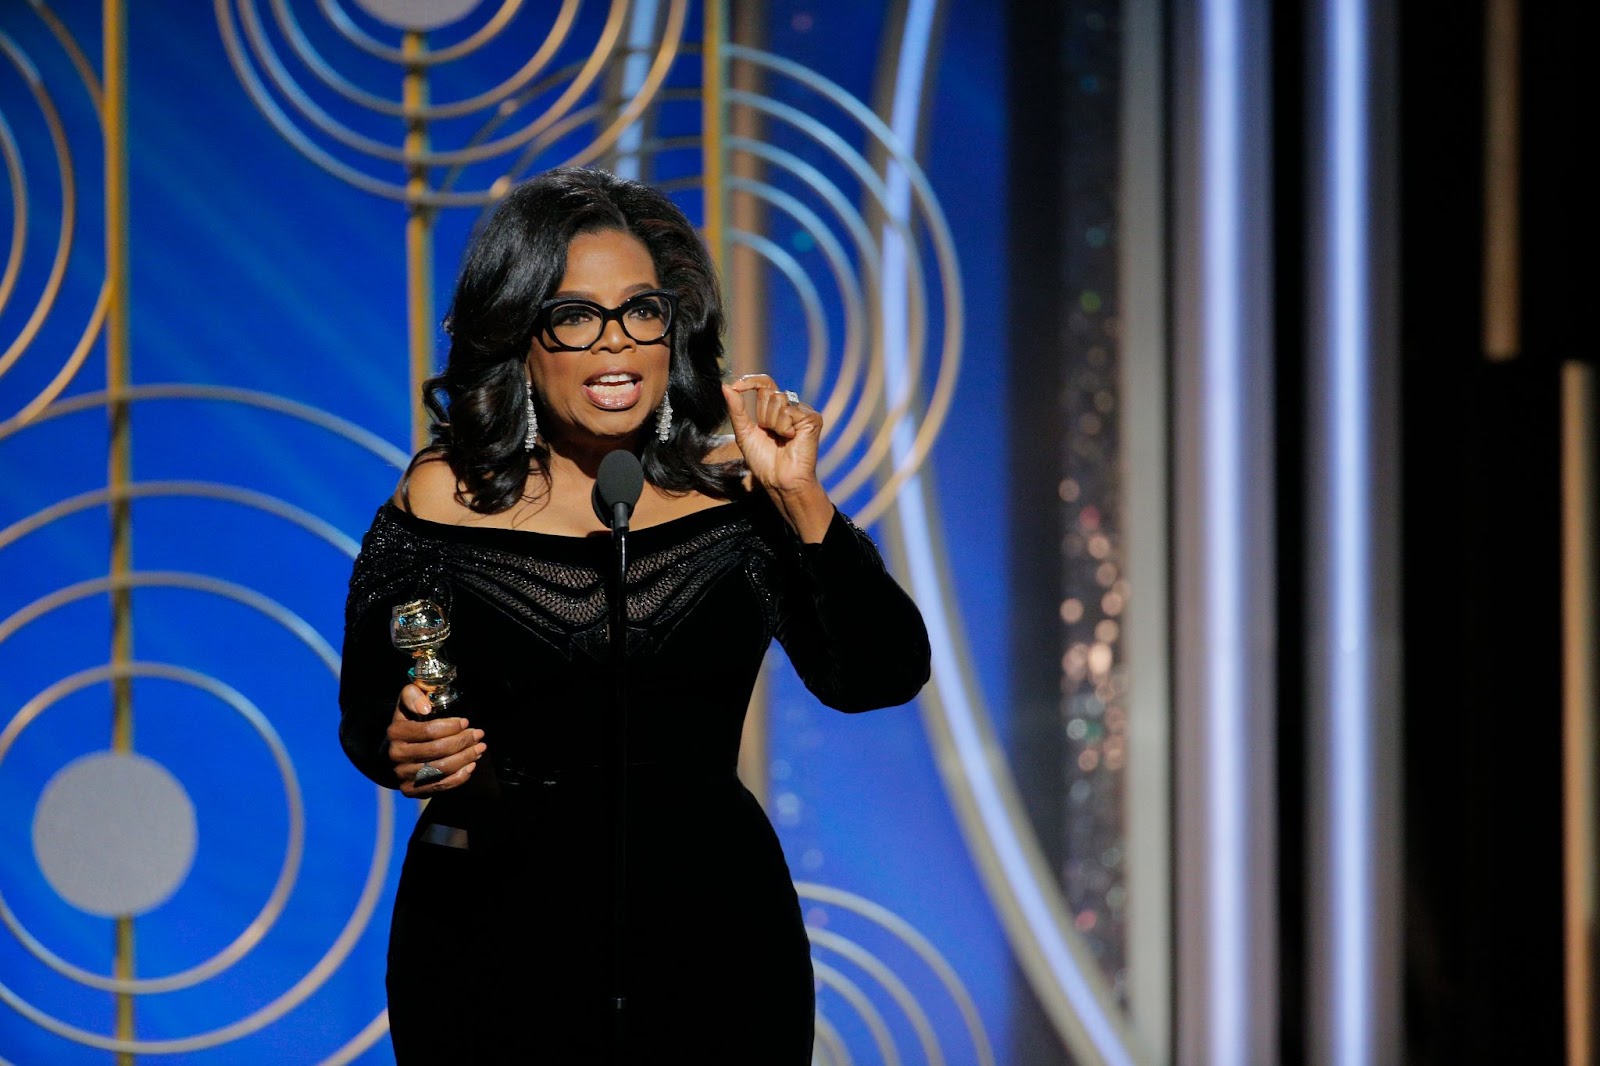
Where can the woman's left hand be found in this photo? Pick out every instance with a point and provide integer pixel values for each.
(779, 443)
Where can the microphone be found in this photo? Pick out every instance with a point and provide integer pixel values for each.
(616, 489)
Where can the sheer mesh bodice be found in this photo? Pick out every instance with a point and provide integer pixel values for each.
(562, 603)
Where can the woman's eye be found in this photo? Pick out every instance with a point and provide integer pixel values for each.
(571, 315)
(648, 311)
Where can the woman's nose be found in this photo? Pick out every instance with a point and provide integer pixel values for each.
(613, 337)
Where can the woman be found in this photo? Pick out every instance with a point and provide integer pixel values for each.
(587, 319)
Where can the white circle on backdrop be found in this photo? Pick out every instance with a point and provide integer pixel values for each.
(417, 14)
(114, 833)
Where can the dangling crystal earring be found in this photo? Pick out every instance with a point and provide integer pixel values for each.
(531, 441)
(664, 419)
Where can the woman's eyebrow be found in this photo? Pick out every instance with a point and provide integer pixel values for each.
(581, 294)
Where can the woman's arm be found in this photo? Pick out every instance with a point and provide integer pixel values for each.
(370, 676)
(854, 636)
(379, 739)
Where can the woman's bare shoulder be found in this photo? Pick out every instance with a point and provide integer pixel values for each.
(429, 491)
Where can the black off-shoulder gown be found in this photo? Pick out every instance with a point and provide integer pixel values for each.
(498, 951)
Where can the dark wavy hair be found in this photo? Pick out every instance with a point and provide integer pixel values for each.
(514, 264)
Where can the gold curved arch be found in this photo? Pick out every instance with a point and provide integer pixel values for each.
(306, 51)
(354, 34)
(864, 412)
(862, 293)
(274, 610)
(288, 870)
(354, 433)
(17, 178)
(305, 146)
(69, 369)
(830, 1045)
(91, 83)
(69, 207)
(262, 50)
(75, 54)
(194, 489)
(313, 979)
(944, 251)
(479, 151)
(916, 305)
(921, 945)
(671, 41)
(357, 1045)
(529, 158)
(858, 296)
(828, 977)
(810, 302)
(875, 968)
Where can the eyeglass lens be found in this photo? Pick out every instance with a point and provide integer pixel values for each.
(579, 324)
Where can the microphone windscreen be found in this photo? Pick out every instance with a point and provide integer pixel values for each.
(620, 480)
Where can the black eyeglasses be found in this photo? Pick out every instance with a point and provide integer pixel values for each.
(571, 325)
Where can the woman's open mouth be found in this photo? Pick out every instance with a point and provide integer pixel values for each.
(613, 391)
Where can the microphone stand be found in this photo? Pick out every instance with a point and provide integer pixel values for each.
(617, 486)
(618, 763)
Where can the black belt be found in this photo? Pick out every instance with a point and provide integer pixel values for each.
(444, 835)
(515, 772)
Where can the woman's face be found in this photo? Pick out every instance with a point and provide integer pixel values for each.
(606, 392)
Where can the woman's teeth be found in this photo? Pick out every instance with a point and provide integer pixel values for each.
(614, 391)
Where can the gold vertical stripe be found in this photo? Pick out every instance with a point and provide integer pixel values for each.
(1579, 702)
(711, 120)
(743, 213)
(419, 232)
(1502, 277)
(124, 972)
(119, 461)
(118, 472)
(747, 324)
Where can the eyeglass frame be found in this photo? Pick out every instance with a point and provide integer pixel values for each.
(546, 333)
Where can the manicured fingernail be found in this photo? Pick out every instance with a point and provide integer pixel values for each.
(482, 748)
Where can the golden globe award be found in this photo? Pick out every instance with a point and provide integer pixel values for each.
(420, 628)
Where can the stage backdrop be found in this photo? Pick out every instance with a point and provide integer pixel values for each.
(230, 231)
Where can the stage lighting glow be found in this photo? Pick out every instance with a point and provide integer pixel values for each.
(1226, 720)
(1349, 633)
(924, 573)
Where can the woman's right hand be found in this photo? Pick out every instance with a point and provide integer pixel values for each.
(448, 744)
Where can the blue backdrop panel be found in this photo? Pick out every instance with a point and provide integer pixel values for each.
(271, 404)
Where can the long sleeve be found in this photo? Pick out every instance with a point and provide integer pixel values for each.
(370, 679)
(393, 567)
(854, 636)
